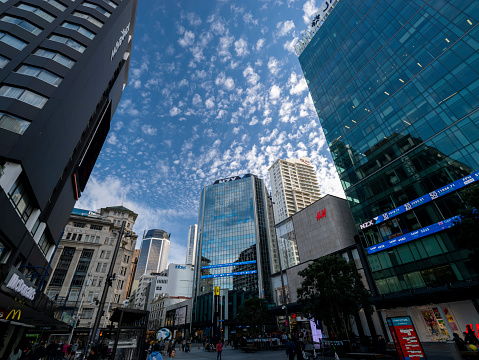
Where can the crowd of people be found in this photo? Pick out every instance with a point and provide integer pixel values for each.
(54, 350)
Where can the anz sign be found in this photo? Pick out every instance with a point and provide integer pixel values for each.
(232, 178)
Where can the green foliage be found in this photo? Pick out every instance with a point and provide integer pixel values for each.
(332, 291)
(465, 231)
(254, 312)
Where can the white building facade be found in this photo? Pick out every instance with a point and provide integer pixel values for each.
(191, 250)
(293, 186)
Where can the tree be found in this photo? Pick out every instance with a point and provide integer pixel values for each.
(254, 312)
(332, 291)
(465, 230)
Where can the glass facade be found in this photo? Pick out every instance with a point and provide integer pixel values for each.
(396, 88)
(154, 251)
(235, 237)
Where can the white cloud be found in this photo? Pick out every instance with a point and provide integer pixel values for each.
(174, 111)
(284, 28)
(194, 19)
(253, 121)
(197, 100)
(289, 45)
(224, 45)
(227, 82)
(250, 75)
(310, 9)
(274, 66)
(210, 103)
(297, 84)
(260, 44)
(188, 39)
(112, 139)
(149, 130)
(274, 92)
(241, 47)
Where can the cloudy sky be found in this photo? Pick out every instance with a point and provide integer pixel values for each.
(215, 89)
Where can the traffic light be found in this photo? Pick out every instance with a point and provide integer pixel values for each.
(101, 333)
(77, 323)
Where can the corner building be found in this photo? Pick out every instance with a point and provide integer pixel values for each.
(235, 246)
(395, 85)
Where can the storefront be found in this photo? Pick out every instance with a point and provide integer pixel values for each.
(26, 316)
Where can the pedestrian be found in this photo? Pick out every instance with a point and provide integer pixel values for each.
(16, 354)
(39, 352)
(64, 350)
(219, 349)
(172, 354)
(461, 345)
(290, 349)
(381, 345)
(155, 353)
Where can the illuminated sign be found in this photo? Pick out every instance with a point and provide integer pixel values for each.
(414, 235)
(232, 178)
(321, 214)
(455, 185)
(21, 286)
(229, 274)
(10, 315)
(405, 338)
(124, 33)
(229, 264)
(217, 290)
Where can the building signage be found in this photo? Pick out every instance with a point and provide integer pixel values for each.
(217, 291)
(181, 267)
(414, 235)
(229, 264)
(456, 185)
(405, 338)
(321, 214)
(16, 282)
(229, 274)
(232, 178)
(13, 314)
(124, 33)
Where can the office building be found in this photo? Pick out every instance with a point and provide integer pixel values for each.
(395, 86)
(293, 186)
(82, 261)
(131, 276)
(236, 250)
(154, 251)
(191, 249)
(63, 67)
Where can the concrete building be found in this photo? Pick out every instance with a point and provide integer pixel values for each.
(191, 249)
(154, 251)
(63, 68)
(131, 277)
(398, 103)
(293, 186)
(82, 260)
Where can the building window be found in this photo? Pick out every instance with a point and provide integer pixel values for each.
(87, 238)
(13, 124)
(37, 11)
(79, 225)
(103, 269)
(89, 18)
(23, 95)
(98, 267)
(111, 3)
(22, 23)
(79, 29)
(102, 254)
(108, 253)
(63, 60)
(74, 237)
(58, 279)
(12, 41)
(97, 8)
(107, 241)
(56, 4)
(44, 244)
(93, 282)
(96, 227)
(97, 239)
(89, 298)
(3, 61)
(20, 201)
(41, 74)
(68, 42)
(79, 237)
(100, 281)
(87, 313)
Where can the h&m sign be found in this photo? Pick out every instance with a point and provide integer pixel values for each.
(321, 214)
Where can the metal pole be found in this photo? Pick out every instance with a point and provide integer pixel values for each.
(108, 309)
(106, 287)
(76, 318)
(282, 281)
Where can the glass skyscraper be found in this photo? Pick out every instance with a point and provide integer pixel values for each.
(396, 87)
(235, 237)
(154, 251)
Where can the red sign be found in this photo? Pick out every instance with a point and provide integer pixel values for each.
(321, 214)
(405, 338)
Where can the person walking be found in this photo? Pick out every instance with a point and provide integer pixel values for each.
(155, 353)
(16, 354)
(219, 349)
(172, 354)
(290, 349)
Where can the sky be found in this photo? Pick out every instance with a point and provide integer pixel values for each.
(215, 90)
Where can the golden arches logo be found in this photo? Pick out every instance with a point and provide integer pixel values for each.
(13, 313)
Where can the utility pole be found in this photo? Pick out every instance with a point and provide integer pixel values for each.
(108, 282)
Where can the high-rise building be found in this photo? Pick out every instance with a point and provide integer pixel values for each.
(82, 260)
(293, 186)
(395, 85)
(154, 251)
(63, 67)
(191, 249)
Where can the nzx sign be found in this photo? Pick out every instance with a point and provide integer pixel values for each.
(321, 214)
(233, 178)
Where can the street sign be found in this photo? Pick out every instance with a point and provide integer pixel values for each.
(405, 338)
(217, 290)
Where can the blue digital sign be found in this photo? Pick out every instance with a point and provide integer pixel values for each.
(414, 235)
(229, 264)
(229, 274)
(456, 185)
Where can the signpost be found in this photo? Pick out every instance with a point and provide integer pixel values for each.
(405, 338)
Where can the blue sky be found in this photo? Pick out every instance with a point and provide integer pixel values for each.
(215, 89)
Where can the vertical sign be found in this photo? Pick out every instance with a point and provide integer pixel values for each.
(405, 338)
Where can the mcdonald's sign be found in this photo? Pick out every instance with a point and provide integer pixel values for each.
(10, 314)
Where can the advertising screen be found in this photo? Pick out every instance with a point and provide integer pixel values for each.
(405, 338)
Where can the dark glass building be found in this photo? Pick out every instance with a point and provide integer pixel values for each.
(396, 88)
(235, 244)
(63, 67)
